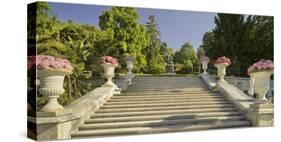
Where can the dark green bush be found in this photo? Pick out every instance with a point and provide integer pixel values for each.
(156, 69)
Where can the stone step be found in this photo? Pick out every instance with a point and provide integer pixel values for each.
(161, 112)
(162, 104)
(150, 123)
(167, 95)
(142, 89)
(160, 129)
(165, 116)
(162, 108)
(171, 97)
(187, 100)
(167, 92)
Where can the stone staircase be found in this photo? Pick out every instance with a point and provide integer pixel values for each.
(162, 104)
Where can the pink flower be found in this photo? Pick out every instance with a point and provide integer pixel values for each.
(223, 60)
(45, 61)
(108, 59)
(261, 65)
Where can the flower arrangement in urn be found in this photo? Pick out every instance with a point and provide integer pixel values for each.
(262, 65)
(109, 64)
(51, 72)
(223, 60)
(260, 72)
(129, 59)
(204, 59)
(108, 59)
(221, 63)
(48, 62)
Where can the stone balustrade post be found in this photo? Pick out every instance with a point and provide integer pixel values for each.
(261, 114)
(50, 128)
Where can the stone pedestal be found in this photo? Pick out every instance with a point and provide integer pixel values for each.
(262, 114)
(50, 128)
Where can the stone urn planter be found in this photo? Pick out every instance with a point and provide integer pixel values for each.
(221, 63)
(130, 66)
(109, 69)
(260, 73)
(205, 66)
(204, 62)
(51, 85)
(261, 84)
(50, 72)
(221, 71)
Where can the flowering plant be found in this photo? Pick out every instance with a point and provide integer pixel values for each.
(108, 59)
(48, 62)
(223, 60)
(205, 58)
(262, 65)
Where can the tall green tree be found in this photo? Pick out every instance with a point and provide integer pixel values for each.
(244, 39)
(128, 36)
(154, 46)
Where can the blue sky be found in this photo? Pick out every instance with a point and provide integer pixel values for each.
(177, 27)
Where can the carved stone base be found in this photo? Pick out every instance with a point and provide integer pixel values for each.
(55, 113)
(262, 114)
(51, 128)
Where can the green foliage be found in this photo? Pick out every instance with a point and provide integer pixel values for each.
(185, 68)
(68, 40)
(156, 69)
(186, 52)
(166, 52)
(155, 51)
(121, 23)
(244, 39)
(186, 56)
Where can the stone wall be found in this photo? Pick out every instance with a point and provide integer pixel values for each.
(242, 82)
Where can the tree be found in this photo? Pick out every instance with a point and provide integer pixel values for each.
(154, 45)
(48, 32)
(166, 52)
(244, 39)
(128, 36)
(186, 52)
(186, 56)
(75, 42)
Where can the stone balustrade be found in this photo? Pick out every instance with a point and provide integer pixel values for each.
(260, 114)
(60, 127)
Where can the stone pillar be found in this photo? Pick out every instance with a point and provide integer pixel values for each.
(261, 114)
(50, 128)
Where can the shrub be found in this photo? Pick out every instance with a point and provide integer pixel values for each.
(155, 69)
(185, 68)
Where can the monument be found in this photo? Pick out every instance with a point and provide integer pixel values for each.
(170, 67)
